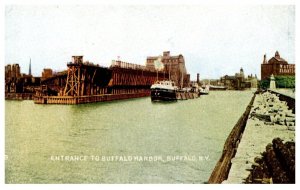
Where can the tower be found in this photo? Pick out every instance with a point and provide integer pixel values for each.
(265, 59)
(272, 82)
(277, 56)
(29, 72)
(242, 73)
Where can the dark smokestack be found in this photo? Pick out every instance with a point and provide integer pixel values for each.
(29, 72)
(265, 59)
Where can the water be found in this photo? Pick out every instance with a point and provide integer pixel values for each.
(196, 128)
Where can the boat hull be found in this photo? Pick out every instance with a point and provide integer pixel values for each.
(203, 93)
(163, 95)
(217, 88)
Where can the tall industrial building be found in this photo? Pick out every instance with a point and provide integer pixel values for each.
(174, 65)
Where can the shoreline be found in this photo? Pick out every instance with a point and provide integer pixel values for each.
(222, 167)
(241, 150)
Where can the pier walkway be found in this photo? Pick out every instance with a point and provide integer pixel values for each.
(269, 118)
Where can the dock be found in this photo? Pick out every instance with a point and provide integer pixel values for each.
(86, 99)
(186, 95)
(19, 96)
(68, 100)
(84, 82)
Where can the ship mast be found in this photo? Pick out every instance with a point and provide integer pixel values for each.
(169, 71)
(181, 80)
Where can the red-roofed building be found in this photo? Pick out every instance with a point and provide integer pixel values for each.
(276, 66)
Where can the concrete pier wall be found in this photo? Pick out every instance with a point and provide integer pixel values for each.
(269, 118)
(222, 167)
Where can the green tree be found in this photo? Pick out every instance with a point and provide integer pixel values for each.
(285, 81)
(281, 82)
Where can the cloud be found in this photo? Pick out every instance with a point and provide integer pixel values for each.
(215, 40)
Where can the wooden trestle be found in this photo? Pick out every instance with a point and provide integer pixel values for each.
(86, 82)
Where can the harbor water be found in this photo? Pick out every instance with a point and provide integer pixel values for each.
(126, 141)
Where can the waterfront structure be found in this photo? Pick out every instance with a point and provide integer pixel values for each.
(19, 85)
(215, 82)
(47, 73)
(238, 81)
(252, 80)
(86, 82)
(272, 116)
(234, 82)
(12, 71)
(12, 76)
(276, 66)
(174, 65)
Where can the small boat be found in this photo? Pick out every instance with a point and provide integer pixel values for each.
(212, 87)
(163, 91)
(204, 90)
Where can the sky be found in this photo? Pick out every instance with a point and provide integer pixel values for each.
(214, 40)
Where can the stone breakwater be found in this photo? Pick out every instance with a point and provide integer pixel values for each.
(269, 118)
(277, 164)
(271, 110)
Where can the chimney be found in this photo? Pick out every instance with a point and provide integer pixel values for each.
(29, 72)
(198, 78)
(277, 55)
(265, 59)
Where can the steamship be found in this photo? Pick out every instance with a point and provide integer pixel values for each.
(163, 91)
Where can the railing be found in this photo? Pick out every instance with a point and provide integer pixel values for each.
(127, 65)
(86, 63)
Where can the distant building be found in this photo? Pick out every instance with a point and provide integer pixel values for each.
(215, 82)
(12, 71)
(253, 80)
(276, 66)
(17, 82)
(238, 81)
(47, 73)
(174, 65)
(12, 78)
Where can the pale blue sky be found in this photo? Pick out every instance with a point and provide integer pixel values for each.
(214, 40)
